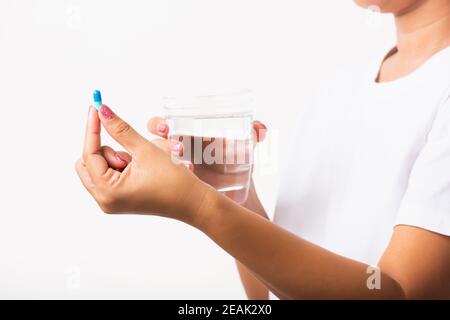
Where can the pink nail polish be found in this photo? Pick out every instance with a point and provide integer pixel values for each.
(162, 127)
(118, 157)
(106, 112)
(260, 125)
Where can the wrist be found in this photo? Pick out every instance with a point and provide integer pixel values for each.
(207, 208)
(251, 195)
(253, 203)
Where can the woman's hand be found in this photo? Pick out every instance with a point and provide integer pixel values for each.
(159, 127)
(143, 181)
(207, 173)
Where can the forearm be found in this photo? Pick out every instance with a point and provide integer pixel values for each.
(255, 288)
(293, 267)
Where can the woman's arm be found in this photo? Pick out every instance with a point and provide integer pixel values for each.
(254, 288)
(416, 263)
(420, 261)
(298, 269)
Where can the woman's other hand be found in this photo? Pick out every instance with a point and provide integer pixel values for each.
(159, 127)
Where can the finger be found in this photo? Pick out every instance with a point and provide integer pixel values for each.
(260, 131)
(93, 160)
(84, 176)
(92, 134)
(124, 156)
(158, 126)
(116, 159)
(121, 131)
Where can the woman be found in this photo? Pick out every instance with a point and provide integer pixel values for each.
(368, 182)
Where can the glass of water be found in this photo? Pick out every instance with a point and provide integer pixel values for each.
(216, 133)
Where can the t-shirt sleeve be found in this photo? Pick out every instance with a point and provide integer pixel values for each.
(426, 203)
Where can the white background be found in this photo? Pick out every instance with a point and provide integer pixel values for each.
(54, 241)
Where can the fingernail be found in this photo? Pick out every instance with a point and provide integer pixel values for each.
(162, 127)
(261, 125)
(175, 146)
(106, 112)
(118, 157)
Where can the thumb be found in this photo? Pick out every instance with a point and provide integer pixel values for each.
(121, 131)
(259, 131)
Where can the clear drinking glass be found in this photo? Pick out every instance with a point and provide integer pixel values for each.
(216, 133)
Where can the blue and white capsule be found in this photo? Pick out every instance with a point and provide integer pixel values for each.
(97, 99)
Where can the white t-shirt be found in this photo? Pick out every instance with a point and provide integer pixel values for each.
(369, 156)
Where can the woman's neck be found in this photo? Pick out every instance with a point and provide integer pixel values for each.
(423, 29)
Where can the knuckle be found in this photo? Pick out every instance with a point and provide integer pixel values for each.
(122, 129)
(87, 158)
(107, 203)
(107, 210)
(80, 166)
